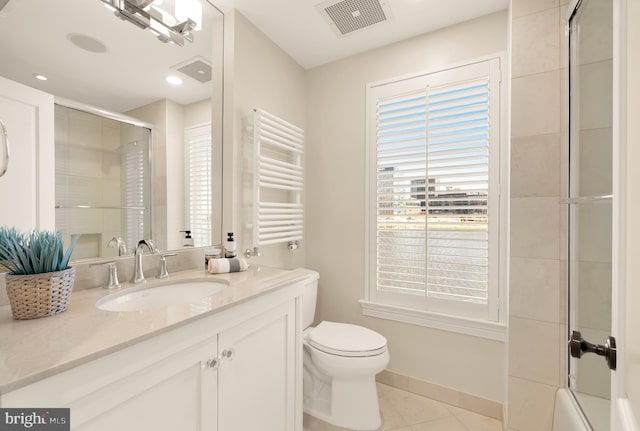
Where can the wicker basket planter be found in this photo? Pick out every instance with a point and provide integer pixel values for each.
(40, 295)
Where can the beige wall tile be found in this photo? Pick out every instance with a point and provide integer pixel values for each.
(435, 392)
(535, 227)
(595, 151)
(563, 36)
(530, 405)
(534, 350)
(594, 296)
(535, 166)
(535, 289)
(562, 294)
(525, 7)
(596, 95)
(596, 33)
(563, 336)
(535, 104)
(593, 376)
(85, 130)
(564, 229)
(536, 45)
(594, 232)
(481, 406)
(396, 380)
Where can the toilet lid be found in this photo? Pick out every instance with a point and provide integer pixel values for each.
(347, 340)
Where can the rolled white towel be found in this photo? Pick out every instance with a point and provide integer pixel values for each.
(219, 266)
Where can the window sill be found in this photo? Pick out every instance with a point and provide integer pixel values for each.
(460, 325)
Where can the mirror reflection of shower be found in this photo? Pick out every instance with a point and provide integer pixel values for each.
(103, 186)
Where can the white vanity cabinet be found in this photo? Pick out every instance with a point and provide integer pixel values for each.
(27, 188)
(236, 370)
(257, 382)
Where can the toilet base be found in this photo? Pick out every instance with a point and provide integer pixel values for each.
(354, 405)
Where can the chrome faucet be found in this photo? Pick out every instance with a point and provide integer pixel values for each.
(118, 242)
(138, 276)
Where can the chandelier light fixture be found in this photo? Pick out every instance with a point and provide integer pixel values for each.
(169, 26)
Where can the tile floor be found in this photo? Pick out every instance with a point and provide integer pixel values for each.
(404, 411)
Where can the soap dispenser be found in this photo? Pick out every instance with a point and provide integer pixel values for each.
(188, 240)
(230, 248)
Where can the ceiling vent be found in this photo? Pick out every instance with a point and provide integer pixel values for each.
(197, 68)
(348, 16)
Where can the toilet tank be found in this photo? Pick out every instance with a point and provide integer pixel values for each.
(309, 297)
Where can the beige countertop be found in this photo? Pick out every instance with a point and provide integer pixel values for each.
(31, 350)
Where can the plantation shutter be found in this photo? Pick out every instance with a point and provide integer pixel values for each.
(433, 185)
(198, 172)
(134, 194)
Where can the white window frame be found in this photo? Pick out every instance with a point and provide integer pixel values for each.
(448, 315)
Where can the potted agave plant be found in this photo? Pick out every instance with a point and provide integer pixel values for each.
(39, 280)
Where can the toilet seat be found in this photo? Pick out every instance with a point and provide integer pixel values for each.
(343, 339)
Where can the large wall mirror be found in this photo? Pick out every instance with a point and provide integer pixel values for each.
(137, 117)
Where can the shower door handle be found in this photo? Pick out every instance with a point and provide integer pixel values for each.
(578, 346)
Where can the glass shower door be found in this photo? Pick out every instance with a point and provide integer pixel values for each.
(590, 204)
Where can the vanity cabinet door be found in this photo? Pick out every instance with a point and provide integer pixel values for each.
(27, 188)
(177, 393)
(149, 386)
(257, 374)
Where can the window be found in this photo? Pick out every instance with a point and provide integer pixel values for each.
(434, 192)
(134, 187)
(198, 183)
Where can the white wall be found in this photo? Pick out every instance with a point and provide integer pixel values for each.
(175, 175)
(336, 203)
(263, 76)
(631, 323)
(198, 113)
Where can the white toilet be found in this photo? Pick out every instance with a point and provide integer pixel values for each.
(340, 365)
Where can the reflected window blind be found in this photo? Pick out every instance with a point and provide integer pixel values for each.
(198, 171)
(134, 195)
(432, 190)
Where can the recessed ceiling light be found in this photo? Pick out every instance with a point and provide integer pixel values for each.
(39, 76)
(173, 80)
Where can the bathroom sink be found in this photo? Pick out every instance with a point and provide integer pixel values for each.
(136, 299)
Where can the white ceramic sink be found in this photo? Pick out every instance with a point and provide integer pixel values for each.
(135, 299)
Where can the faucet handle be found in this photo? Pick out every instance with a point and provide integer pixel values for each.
(162, 272)
(112, 278)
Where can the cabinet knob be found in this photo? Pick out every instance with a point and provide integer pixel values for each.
(228, 353)
(213, 363)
